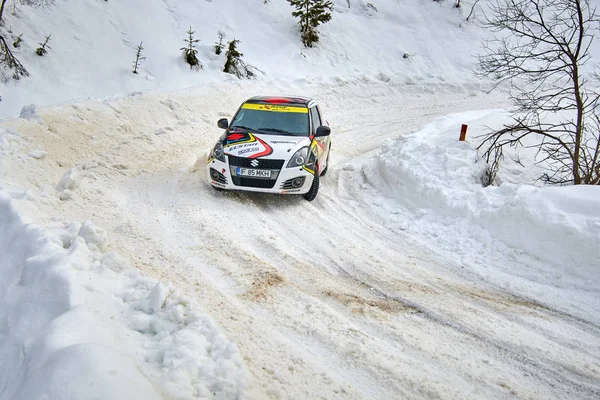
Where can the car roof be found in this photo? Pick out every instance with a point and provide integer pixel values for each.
(283, 100)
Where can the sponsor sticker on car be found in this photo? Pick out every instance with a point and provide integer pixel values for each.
(268, 107)
(246, 145)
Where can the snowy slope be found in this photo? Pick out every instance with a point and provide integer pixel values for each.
(93, 45)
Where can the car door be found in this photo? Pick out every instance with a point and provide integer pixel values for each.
(322, 142)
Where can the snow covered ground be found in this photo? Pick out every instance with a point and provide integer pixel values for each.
(390, 284)
(78, 323)
(123, 275)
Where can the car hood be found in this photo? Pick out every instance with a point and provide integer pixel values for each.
(254, 145)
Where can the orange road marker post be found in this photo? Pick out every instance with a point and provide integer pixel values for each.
(463, 133)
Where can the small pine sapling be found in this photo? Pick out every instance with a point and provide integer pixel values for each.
(18, 40)
(234, 64)
(219, 46)
(40, 51)
(190, 52)
(311, 14)
(138, 58)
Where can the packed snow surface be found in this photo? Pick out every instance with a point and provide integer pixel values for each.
(404, 278)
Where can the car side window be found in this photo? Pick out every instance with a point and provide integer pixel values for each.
(315, 119)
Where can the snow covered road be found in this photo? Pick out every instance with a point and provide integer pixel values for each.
(323, 299)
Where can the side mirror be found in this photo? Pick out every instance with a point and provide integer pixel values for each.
(323, 131)
(223, 123)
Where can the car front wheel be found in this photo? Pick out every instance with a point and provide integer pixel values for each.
(314, 189)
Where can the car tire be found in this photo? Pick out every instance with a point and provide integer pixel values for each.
(326, 162)
(314, 189)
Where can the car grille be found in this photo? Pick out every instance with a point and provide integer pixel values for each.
(252, 182)
(263, 163)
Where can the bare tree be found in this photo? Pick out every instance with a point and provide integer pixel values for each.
(31, 3)
(2, 6)
(540, 54)
(472, 9)
(10, 67)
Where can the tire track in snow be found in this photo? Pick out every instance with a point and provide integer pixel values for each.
(503, 349)
(550, 375)
(547, 370)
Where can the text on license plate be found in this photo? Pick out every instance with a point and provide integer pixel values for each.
(259, 173)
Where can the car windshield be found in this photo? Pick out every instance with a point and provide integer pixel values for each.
(272, 120)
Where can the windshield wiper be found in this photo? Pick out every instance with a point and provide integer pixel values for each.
(243, 127)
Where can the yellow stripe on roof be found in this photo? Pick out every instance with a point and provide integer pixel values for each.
(273, 108)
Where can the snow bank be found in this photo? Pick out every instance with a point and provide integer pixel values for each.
(76, 323)
(436, 181)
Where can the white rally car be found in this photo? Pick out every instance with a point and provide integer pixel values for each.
(273, 145)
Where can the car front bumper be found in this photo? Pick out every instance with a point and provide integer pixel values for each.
(224, 176)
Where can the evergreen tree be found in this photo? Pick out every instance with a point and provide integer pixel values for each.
(232, 57)
(311, 14)
(18, 40)
(219, 45)
(189, 52)
(234, 63)
(138, 57)
(40, 51)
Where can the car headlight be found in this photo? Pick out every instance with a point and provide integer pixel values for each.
(218, 152)
(299, 158)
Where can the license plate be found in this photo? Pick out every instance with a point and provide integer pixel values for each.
(257, 173)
